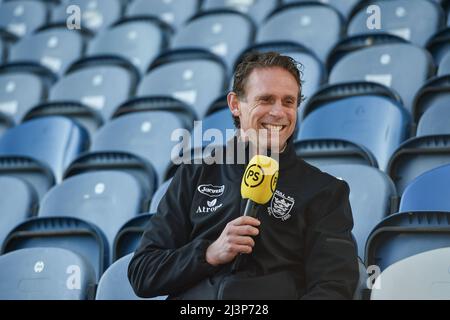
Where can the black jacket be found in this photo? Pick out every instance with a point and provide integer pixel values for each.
(305, 230)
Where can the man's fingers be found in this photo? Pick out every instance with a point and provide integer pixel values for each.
(245, 230)
(243, 249)
(245, 220)
(247, 241)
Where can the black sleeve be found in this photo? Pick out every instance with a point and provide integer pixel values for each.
(166, 261)
(331, 256)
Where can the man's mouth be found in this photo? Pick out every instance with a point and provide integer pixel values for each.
(273, 127)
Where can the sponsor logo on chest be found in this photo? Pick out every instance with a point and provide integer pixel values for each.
(212, 192)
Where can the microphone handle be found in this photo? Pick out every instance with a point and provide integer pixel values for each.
(251, 210)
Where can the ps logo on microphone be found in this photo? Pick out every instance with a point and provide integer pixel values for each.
(254, 176)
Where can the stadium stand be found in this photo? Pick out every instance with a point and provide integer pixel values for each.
(23, 17)
(45, 274)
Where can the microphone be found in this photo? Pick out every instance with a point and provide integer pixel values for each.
(258, 185)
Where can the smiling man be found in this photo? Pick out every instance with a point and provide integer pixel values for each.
(300, 245)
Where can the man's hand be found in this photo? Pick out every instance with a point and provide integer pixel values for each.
(235, 239)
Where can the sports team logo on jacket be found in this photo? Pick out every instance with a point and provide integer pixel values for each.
(281, 205)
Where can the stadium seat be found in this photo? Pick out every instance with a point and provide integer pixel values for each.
(313, 71)
(68, 233)
(428, 192)
(19, 92)
(364, 114)
(194, 77)
(345, 7)
(423, 276)
(45, 274)
(215, 31)
(444, 66)
(371, 194)
(257, 10)
(128, 38)
(54, 47)
(114, 284)
(5, 123)
(96, 15)
(106, 198)
(158, 196)
(6, 40)
(23, 17)
(431, 107)
(55, 141)
(16, 206)
(416, 156)
(305, 24)
(320, 152)
(175, 12)
(388, 64)
(439, 45)
(147, 134)
(117, 161)
(400, 17)
(129, 236)
(402, 235)
(99, 83)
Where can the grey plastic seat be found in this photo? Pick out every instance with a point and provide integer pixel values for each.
(257, 10)
(371, 195)
(17, 203)
(96, 15)
(45, 274)
(423, 276)
(400, 17)
(54, 141)
(72, 234)
(54, 47)
(128, 38)
(114, 284)
(389, 65)
(23, 17)
(129, 236)
(106, 198)
(174, 13)
(158, 196)
(304, 23)
(194, 77)
(444, 66)
(416, 156)
(216, 31)
(146, 134)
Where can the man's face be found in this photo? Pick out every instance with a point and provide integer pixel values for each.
(270, 103)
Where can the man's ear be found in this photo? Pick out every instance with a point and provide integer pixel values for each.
(234, 104)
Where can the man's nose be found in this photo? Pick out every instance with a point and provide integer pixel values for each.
(277, 109)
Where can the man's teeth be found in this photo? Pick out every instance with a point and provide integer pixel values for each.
(272, 127)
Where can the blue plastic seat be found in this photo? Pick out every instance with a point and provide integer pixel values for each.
(194, 77)
(257, 10)
(129, 236)
(388, 64)
(160, 192)
(432, 107)
(55, 141)
(416, 156)
(46, 274)
(369, 118)
(114, 284)
(305, 24)
(96, 15)
(54, 47)
(146, 134)
(106, 198)
(23, 17)
(344, 7)
(371, 195)
(439, 45)
(128, 38)
(444, 66)
(18, 202)
(400, 17)
(402, 235)
(215, 31)
(428, 192)
(174, 13)
(73, 234)
(99, 83)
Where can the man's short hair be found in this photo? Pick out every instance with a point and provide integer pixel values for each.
(255, 60)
